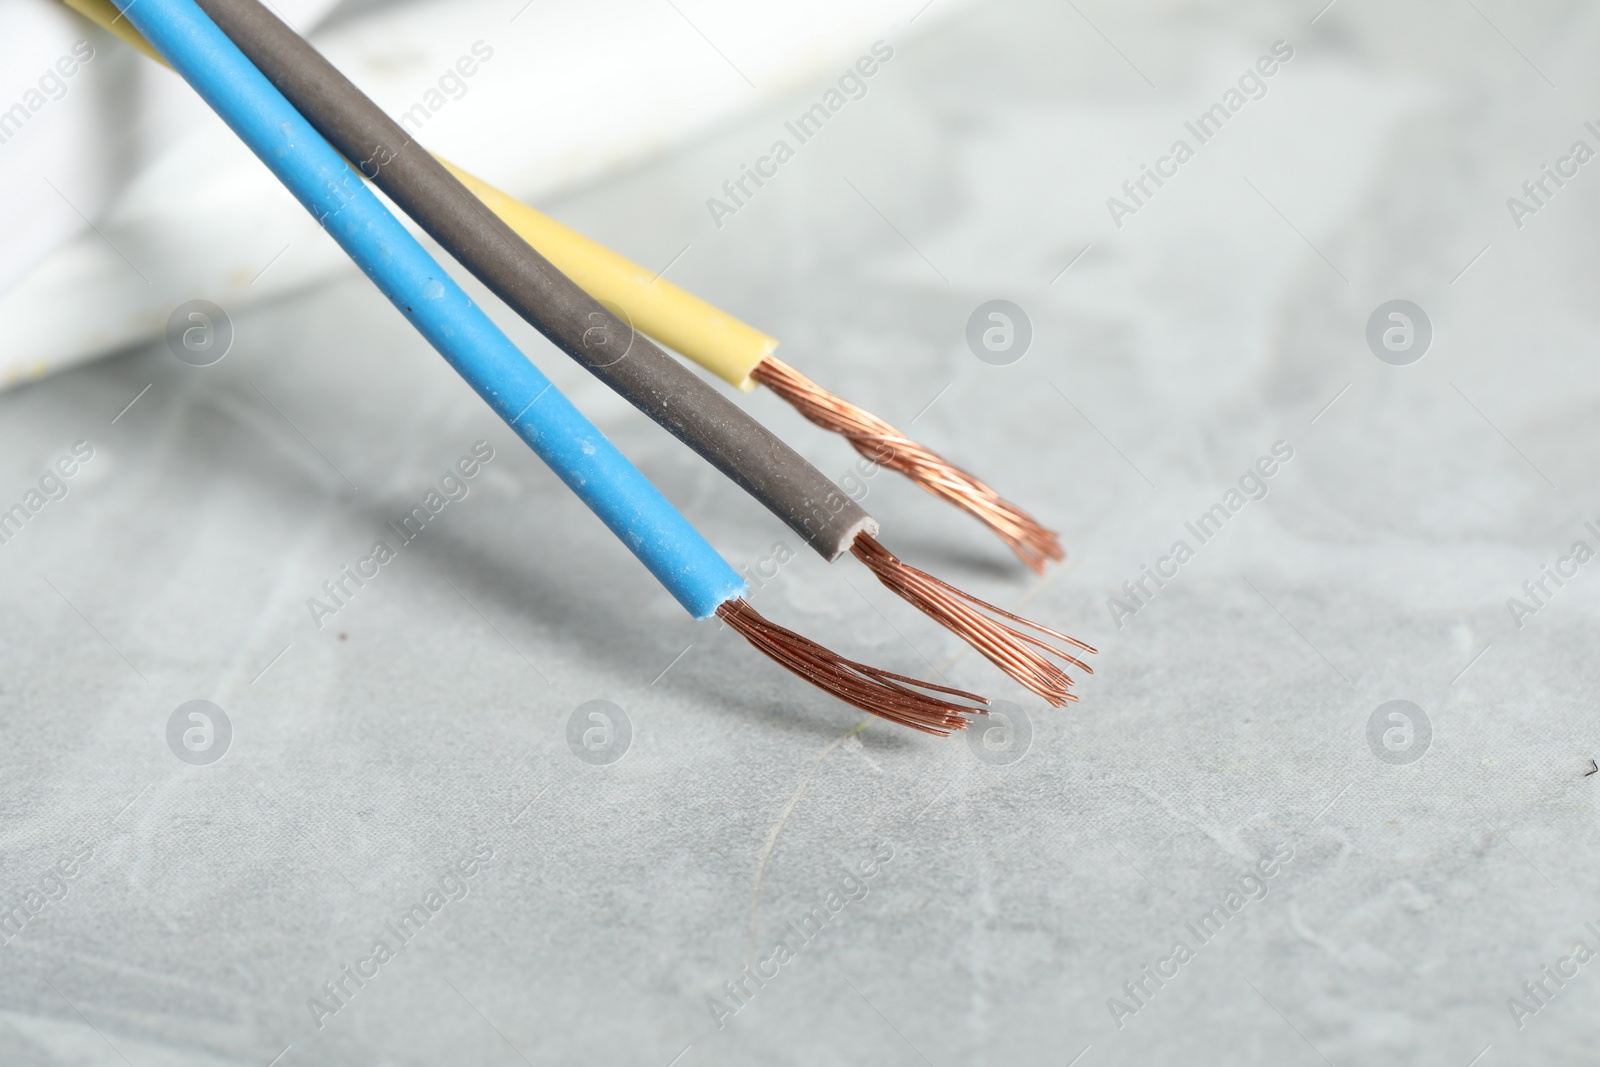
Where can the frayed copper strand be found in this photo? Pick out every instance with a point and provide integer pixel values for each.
(1013, 651)
(868, 688)
(887, 446)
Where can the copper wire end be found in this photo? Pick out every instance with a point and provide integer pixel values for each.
(1019, 654)
(888, 447)
(868, 688)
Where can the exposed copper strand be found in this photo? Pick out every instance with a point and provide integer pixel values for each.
(901, 700)
(1021, 655)
(883, 444)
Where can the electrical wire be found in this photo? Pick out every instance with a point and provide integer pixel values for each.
(670, 393)
(743, 356)
(441, 311)
(1011, 648)
(888, 447)
(677, 399)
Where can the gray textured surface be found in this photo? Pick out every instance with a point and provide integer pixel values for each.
(1227, 718)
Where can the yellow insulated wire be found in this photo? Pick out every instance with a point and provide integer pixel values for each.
(105, 13)
(678, 319)
(711, 337)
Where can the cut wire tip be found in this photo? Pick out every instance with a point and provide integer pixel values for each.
(890, 696)
(1019, 654)
(881, 443)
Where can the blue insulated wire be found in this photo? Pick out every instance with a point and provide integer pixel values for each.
(579, 453)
